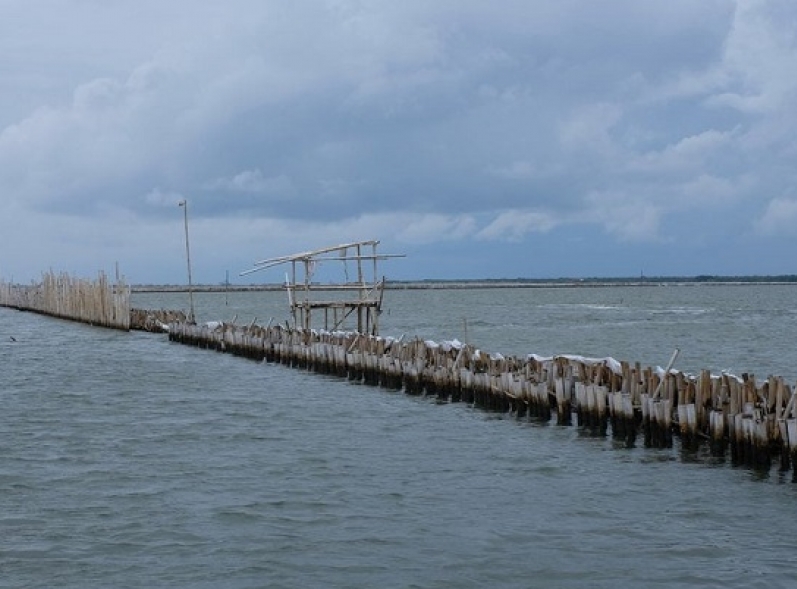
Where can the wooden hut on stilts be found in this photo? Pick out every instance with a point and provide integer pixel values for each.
(333, 306)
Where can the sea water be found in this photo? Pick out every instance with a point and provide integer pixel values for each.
(130, 461)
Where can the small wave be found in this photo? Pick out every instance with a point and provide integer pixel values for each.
(680, 311)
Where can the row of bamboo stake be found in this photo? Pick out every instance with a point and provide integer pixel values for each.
(754, 419)
(96, 302)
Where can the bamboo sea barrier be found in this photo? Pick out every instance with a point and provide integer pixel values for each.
(96, 302)
(155, 321)
(756, 421)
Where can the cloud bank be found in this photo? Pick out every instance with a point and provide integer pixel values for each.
(519, 138)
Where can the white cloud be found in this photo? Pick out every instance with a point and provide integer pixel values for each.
(760, 47)
(432, 228)
(688, 153)
(519, 170)
(625, 217)
(253, 181)
(779, 217)
(711, 191)
(163, 198)
(589, 128)
(515, 225)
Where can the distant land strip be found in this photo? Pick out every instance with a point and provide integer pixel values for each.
(431, 284)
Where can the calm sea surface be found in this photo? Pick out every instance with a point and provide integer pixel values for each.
(129, 461)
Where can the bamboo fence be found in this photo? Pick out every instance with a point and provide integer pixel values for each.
(96, 302)
(756, 420)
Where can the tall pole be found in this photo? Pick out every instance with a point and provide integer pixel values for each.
(191, 318)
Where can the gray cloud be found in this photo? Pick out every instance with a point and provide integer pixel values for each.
(481, 126)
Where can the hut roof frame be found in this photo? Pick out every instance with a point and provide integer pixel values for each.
(302, 291)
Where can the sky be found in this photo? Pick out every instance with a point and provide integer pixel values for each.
(502, 139)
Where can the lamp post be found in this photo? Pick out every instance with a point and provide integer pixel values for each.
(191, 319)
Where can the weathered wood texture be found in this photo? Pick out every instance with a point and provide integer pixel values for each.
(156, 321)
(96, 302)
(756, 420)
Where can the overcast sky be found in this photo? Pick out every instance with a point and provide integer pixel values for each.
(501, 139)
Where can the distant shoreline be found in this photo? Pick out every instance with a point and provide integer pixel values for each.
(488, 284)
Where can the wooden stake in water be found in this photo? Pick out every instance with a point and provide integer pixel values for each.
(666, 372)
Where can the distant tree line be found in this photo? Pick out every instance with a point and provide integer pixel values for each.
(612, 280)
(505, 282)
(777, 278)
